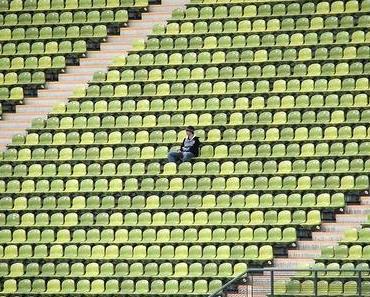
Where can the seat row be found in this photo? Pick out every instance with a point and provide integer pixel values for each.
(334, 270)
(243, 135)
(322, 288)
(11, 94)
(342, 252)
(148, 153)
(133, 270)
(103, 286)
(221, 11)
(233, 26)
(13, 78)
(227, 72)
(299, 166)
(59, 32)
(201, 118)
(218, 202)
(248, 183)
(255, 103)
(65, 18)
(204, 119)
(254, 40)
(199, 168)
(232, 87)
(354, 236)
(148, 236)
(44, 62)
(40, 5)
(186, 168)
(206, 3)
(237, 56)
(157, 219)
(40, 48)
(128, 252)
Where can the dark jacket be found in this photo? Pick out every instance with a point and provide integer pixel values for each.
(191, 146)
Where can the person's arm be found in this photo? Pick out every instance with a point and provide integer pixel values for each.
(195, 147)
(182, 145)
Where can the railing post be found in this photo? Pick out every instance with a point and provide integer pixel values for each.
(359, 281)
(272, 283)
(315, 283)
(252, 287)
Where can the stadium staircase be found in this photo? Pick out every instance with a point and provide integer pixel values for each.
(330, 233)
(77, 76)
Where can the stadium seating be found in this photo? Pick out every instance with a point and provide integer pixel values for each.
(279, 96)
(344, 264)
(38, 38)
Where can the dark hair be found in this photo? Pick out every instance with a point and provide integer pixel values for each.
(190, 129)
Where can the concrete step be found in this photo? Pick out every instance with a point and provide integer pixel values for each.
(138, 33)
(119, 39)
(33, 105)
(351, 218)
(154, 17)
(237, 294)
(288, 263)
(243, 288)
(39, 109)
(62, 94)
(314, 244)
(21, 118)
(306, 250)
(338, 227)
(117, 46)
(107, 54)
(265, 279)
(279, 274)
(46, 101)
(3, 143)
(14, 125)
(332, 236)
(70, 84)
(84, 70)
(70, 78)
(42, 103)
(144, 22)
(100, 62)
(358, 209)
(164, 8)
(365, 200)
(297, 254)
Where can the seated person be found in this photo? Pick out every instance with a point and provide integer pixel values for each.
(189, 148)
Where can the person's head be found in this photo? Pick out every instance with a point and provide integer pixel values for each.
(190, 131)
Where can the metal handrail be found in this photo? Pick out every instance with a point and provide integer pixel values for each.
(313, 270)
(305, 270)
(229, 283)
